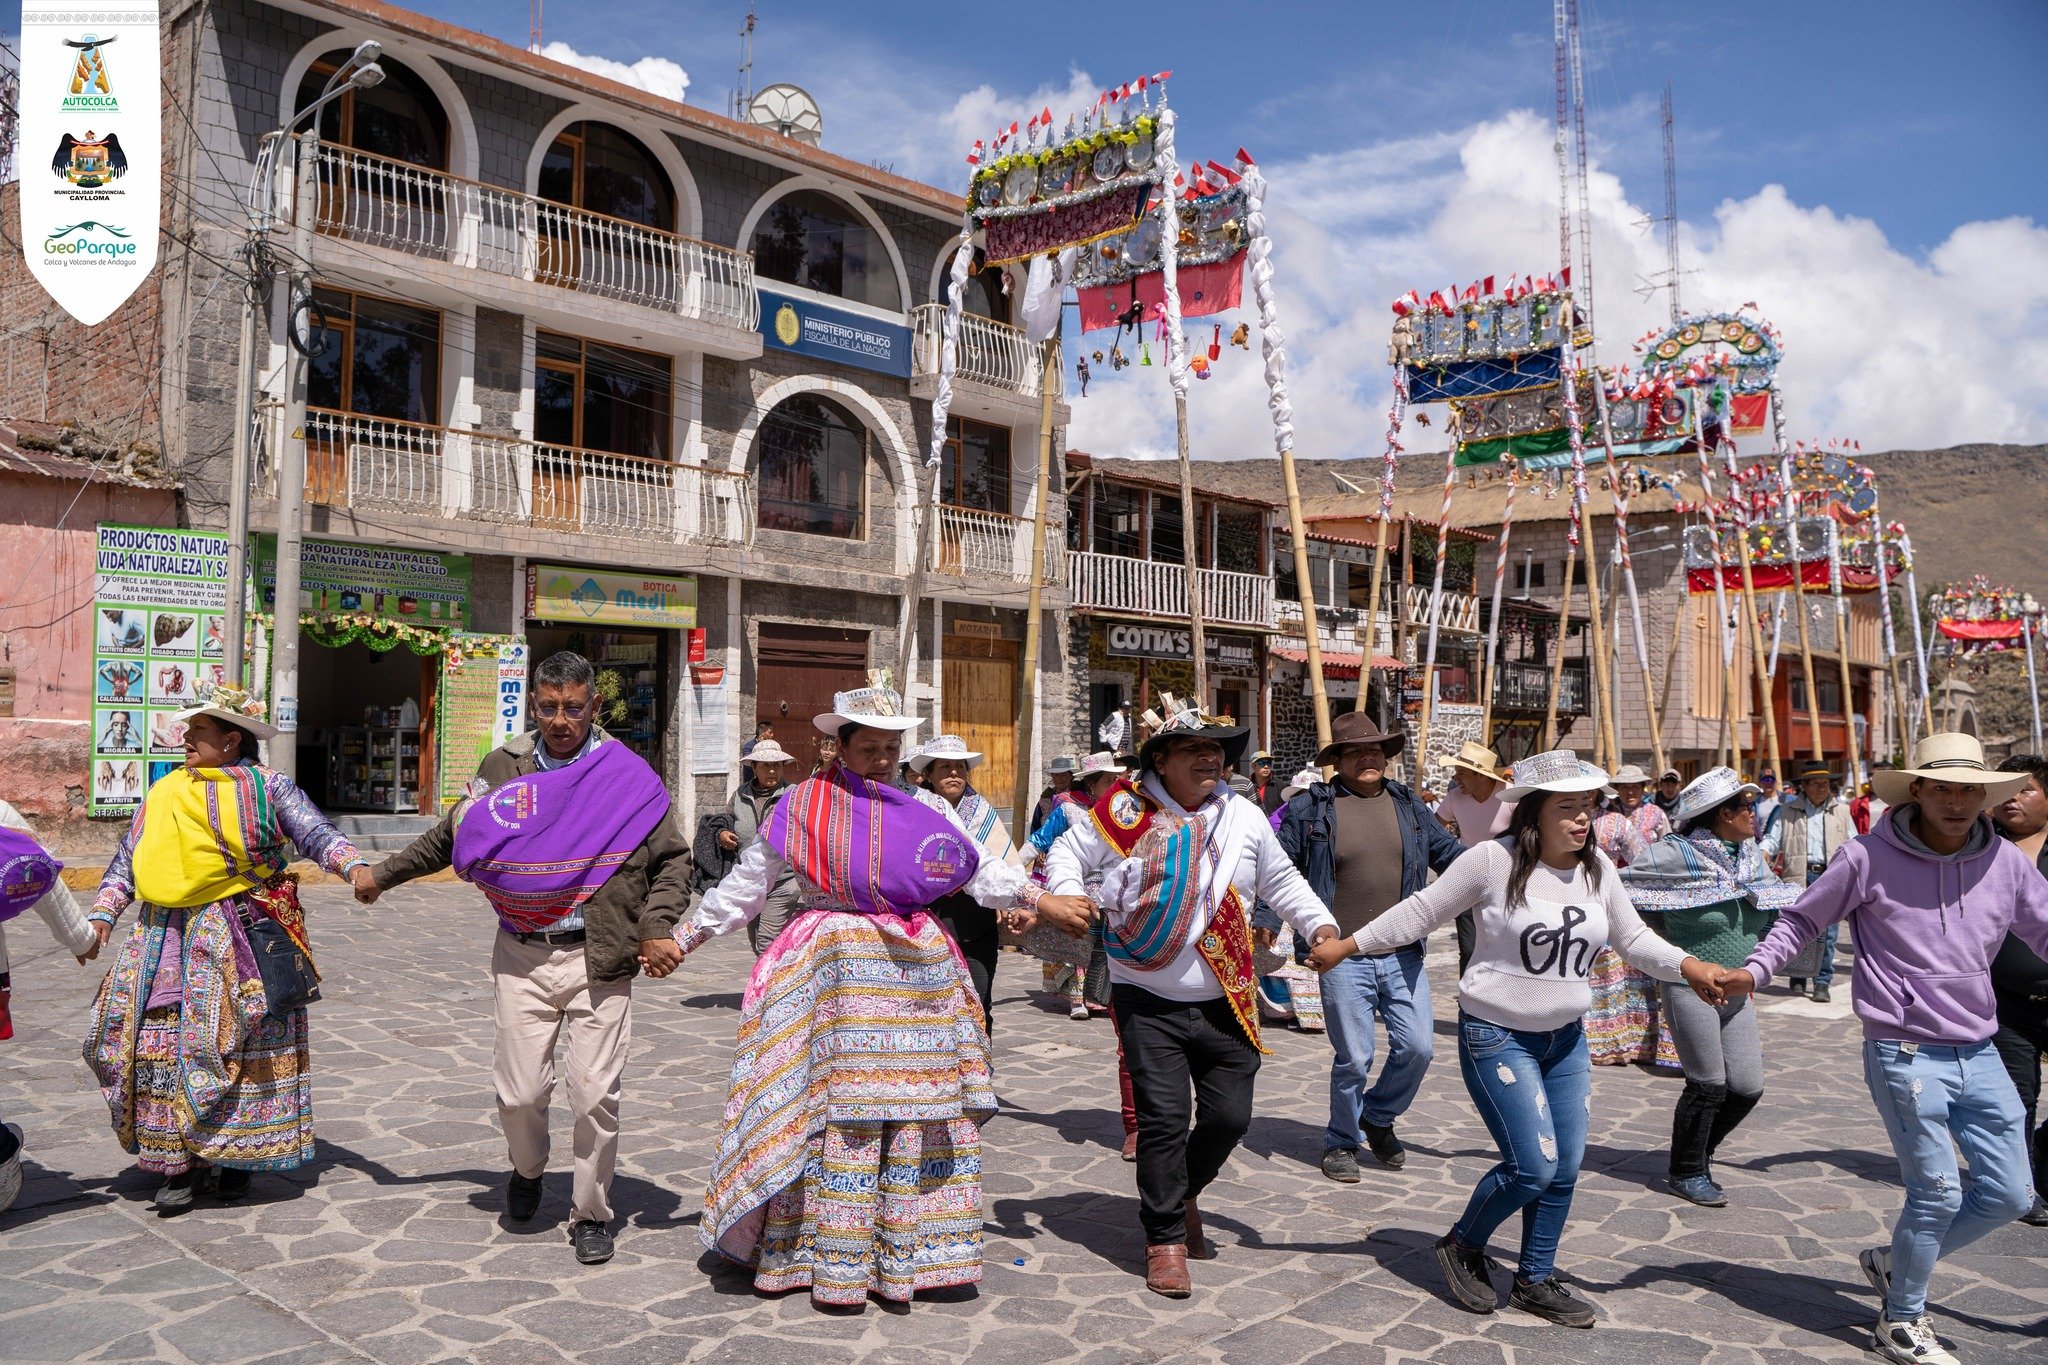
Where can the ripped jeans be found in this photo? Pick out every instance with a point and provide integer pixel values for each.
(1534, 1090)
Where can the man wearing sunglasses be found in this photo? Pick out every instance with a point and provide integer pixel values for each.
(579, 972)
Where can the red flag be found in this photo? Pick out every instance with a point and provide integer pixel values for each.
(1566, 277)
(1244, 158)
(1225, 176)
(1487, 288)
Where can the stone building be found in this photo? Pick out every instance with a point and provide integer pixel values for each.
(572, 340)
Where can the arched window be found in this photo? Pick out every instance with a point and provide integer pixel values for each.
(813, 470)
(397, 118)
(985, 297)
(813, 241)
(599, 168)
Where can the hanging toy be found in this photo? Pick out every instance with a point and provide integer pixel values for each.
(1081, 373)
(1216, 343)
(1241, 336)
(1098, 357)
(1200, 365)
(1117, 359)
(1144, 352)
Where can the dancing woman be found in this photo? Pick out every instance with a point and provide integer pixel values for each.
(1546, 899)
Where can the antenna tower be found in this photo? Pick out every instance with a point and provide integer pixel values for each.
(1670, 203)
(533, 28)
(1574, 208)
(10, 103)
(743, 90)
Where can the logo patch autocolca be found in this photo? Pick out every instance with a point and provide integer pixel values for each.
(91, 89)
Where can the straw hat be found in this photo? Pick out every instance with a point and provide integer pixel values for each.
(1947, 757)
(878, 708)
(1478, 760)
(1557, 770)
(768, 751)
(1709, 790)
(1102, 762)
(1300, 783)
(945, 746)
(231, 704)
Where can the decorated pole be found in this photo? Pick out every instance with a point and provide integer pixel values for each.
(2033, 683)
(1790, 492)
(1891, 642)
(924, 515)
(1034, 615)
(1628, 574)
(1926, 721)
(1739, 515)
(1604, 741)
(1436, 611)
(1177, 376)
(1564, 616)
(1273, 346)
(1852, 763)
(1397, 407)
(1726, 752)
(1500, 574)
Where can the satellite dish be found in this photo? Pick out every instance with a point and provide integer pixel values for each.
(789, 110)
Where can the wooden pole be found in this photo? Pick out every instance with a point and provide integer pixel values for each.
(1756, 649)
(1034, 615)
(2033, 683)
(1306, 585)
(1564, 613)
(1500, 574)
(1436, 612)
(1395, 411)
(1628, 574)
(1605, 735)
(1919, 640)
(1852, 763)
(1678, 620)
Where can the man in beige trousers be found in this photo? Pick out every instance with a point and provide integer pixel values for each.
(579, 972)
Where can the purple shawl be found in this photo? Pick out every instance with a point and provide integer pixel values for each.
(541, 845)
(27, 872)
(871, 848)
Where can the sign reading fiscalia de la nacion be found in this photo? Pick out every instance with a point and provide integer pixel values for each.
(90, 151)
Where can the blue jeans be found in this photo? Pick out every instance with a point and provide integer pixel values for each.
(1934, 1100)
(1823, 975)
(1533, 1089)
(1396, 988)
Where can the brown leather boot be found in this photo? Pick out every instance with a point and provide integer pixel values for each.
(1166, 1271)
(1200, 1248)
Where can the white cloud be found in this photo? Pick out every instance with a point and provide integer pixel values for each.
(1893, 349)
(655, 75)
(894, 127)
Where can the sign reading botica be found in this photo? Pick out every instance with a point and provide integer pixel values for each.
(557, 592)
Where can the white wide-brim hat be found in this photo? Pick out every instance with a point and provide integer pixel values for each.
(234, 705)
(1946, 757)
(1476, 759)
(878, 708)
(1557, 770)
(768, 751)
(1629, 773)
(259, 728)
(1709, 790)
(1301, 782)
(1101, 762)
(944, 746)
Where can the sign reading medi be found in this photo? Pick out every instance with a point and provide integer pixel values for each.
(90, 151)
(827, 333)
(556, 592)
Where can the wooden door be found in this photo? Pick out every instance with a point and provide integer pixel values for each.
(798, 668)
(980, 706)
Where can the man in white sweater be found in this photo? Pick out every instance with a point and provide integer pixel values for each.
(1186, 859)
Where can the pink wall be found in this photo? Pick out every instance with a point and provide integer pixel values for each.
(47, 541)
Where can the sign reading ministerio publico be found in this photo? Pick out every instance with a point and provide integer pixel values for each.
(90, 150)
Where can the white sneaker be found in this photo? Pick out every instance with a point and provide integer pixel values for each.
(1911, 1343)
(10, 1173)
(1877, 1268)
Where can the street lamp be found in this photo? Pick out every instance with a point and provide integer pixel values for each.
(359, 72)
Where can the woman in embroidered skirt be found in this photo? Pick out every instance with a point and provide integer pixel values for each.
(197, 1070)
(1624, 1024)
(850, 1157)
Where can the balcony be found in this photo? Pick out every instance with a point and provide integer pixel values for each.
(1519, 686)
(382, 464)
(972, 543)
(552, 260)
(997, 373)
(1140, 587)
(1460, 610)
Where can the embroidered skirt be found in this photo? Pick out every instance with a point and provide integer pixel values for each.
(850, 1158)
(162, 1114)
(1624, 1024)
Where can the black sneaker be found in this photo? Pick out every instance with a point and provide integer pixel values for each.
(1820, 995)
(1552, 1300)
(2037, 1216)
(593, 1243)
(522, 1198)
(229, 1185)
(175, 1195)
(1341, 1165)
(1386, 1146)
(1465, 1272)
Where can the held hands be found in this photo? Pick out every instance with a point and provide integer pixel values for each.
(1264, 939)
(728, 840)
(1705, 979)
(1736, 983)
(660, 956)
(365, 883)
(1328, 950)
(1071, 915)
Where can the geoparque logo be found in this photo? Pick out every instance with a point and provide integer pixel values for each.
(89, 238)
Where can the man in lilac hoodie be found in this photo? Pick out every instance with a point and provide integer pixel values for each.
(1929, 895)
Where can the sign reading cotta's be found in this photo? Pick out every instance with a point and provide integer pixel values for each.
(823, 332)
(557, 592)
(90, 151)
(1231, 653)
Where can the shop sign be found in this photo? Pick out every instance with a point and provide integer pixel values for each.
(481, 703)
(390, 583)
(555, 592)
(159, 598)
(1227, 653)
(823, 332)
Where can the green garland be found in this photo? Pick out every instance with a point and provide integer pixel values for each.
(372, 632)
(1087, 146)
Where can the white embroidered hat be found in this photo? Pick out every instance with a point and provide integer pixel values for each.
(1102, 762)
(944, 746)
(878, 708)
(1300, 783)
(234, 705)
(768, 751)
(1709, 790)
(1558, 770)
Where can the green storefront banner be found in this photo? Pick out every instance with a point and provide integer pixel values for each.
(556, 592)
(336, 577)
(160, 595)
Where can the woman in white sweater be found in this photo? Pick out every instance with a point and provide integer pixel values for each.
(1546, 900)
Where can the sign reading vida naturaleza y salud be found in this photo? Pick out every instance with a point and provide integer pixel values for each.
(90, 151)
(823, 332)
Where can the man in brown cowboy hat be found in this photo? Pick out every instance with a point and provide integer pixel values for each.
(1813, 826)
(1364, 841)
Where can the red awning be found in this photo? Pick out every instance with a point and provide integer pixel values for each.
(1337, 663)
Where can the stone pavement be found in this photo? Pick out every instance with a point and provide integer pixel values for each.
(390, 1248)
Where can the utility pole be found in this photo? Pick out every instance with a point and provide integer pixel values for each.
(291, 477)
(237, 623)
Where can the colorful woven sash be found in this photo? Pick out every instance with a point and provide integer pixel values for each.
(869, 848)
(982, 820)
(207, 834)
(541, 845)
(27, 872)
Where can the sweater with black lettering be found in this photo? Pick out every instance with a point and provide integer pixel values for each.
(1530, 961)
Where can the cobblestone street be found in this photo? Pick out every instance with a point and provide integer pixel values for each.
(390, 1247)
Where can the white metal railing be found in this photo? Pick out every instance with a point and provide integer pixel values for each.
(1460, 609)
(1145, 588)
(411, 467)
(980, 544)
(988, 352)
(423, 212)
(1342, 628)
